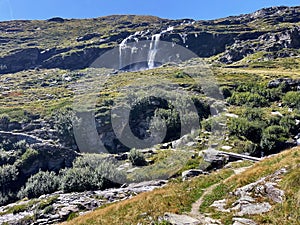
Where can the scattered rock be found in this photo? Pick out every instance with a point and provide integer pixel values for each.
(277, 82)
(249, 202)
(215, 159)
(68, 203)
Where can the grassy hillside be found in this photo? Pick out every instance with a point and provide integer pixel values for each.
(178, 196)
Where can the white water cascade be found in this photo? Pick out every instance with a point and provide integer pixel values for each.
(123, 46)
(153, 50)
(131, 47)
(154, 47)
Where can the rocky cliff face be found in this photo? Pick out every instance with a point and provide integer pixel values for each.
(75, 44)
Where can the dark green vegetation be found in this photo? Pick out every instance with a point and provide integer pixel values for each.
(252, 59)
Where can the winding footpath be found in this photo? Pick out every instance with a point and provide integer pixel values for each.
(196, 205)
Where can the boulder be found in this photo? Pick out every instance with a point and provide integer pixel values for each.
(252, 209)
(176, 219)
(243, 221)
(191, 173)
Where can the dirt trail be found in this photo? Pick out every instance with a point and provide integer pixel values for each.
(196, 205)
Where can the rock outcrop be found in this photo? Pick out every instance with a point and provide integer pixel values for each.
(232, 37)
(57, 207)
(269, 42)
(254, 198)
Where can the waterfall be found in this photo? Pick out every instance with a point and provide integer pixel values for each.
(123, 46)
(136, 50)
(154, 47)
(153, 50)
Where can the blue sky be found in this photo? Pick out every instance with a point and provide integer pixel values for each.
(173, 9)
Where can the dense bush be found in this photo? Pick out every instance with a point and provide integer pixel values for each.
(81, 179)
(253, 114)
(289, 124)
(137, 158)
(39, 184)
(91, 172)
(249, 99)
(8, 178)
(108, 167)
(4, 121)
(212, 124)
(63, 124)
(273, 138)
(8, 174)
(246, 146)
(20, 145)
(242, 127)
(292, 99)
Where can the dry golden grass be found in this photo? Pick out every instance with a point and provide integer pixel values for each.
(176, 197)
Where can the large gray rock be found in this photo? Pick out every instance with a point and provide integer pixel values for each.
(243, 221)
(192, 173)
(176, 219)
(252, 209)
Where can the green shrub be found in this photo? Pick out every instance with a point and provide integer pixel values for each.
(81, 179)
(273, 138)
(39, 184)
(212, 124)
(249, 99)
(253, 114)
(292, 99)
(289, 123)
(63, 124)
(20, 145)
(137, 158)
(8, 175)
(72, 216)
(107, 167)
(242, 127)
(48, 209)
(91, 172)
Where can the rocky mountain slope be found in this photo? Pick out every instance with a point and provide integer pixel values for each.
(75, 44)
(240, 95)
